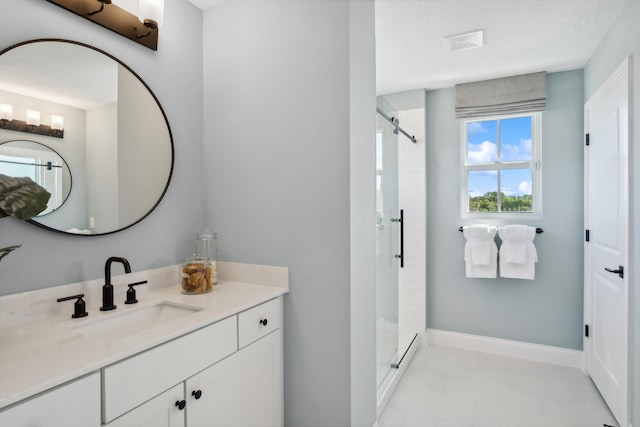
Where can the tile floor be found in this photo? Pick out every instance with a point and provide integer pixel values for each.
(447, 387)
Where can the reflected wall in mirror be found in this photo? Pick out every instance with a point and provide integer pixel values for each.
(117, 141)
(40, 163)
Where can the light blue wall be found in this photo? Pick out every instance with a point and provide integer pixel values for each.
(623, 40)
(174, 73)
(547, 310)
(278, 170)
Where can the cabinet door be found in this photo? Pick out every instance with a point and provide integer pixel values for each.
(161, 411)
(243, 390)
(131, 382)
(76, 404)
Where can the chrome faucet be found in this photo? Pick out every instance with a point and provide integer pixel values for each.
(107, 289)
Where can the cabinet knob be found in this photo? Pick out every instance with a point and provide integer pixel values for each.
(264, 322)
(197, 394)
(181, 404)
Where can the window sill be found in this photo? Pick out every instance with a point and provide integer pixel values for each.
(521, 216)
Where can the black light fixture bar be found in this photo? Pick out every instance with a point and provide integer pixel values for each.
(22, 126)
(112, 17)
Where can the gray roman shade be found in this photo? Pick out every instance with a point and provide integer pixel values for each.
(526, 93)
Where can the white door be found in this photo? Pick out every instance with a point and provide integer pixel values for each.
(243, 390)
(607, 251)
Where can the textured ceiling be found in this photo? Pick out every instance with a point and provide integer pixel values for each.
(520, 36)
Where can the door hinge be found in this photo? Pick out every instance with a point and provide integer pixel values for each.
(586, 138)
(586, 235)
(586, 331)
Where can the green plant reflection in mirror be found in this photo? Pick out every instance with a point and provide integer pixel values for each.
(41, 164)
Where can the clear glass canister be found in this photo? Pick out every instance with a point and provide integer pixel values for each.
(197, 275)
(207, 247)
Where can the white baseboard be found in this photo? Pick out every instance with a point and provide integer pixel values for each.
(501, 347)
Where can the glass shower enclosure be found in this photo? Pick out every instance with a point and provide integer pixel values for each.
(387, 251)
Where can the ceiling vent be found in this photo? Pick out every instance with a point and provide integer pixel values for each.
(465, 41)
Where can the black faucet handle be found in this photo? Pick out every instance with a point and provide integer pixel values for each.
(131, 293)
(79, 308)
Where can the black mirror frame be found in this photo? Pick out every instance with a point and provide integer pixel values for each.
(155, 98)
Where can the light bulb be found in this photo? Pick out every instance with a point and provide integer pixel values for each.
(151, 11)
(33, 117)
(6, 112)
(57, 122)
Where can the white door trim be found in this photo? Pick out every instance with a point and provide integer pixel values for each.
(620, 76)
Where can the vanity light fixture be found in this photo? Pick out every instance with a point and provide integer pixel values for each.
(32, 124)
(151, 14)
(142, 29)
(102, 3)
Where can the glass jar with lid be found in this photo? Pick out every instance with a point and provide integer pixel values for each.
(207, 247)
(197, 275)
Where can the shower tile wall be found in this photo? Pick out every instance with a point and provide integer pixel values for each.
(412, 195)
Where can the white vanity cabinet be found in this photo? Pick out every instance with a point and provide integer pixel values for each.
(226, 374)
(76, 404)
(245, 389)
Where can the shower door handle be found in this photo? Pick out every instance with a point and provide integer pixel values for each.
(401, 221)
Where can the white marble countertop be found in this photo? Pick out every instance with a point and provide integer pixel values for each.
(38, 354)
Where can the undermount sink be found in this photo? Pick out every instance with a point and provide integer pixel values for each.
(132, 321)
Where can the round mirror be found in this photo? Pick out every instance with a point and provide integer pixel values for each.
(43, 165)
(97, 115)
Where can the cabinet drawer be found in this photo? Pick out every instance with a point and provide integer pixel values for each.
(258, 321)
(76, 404)
(132, 382)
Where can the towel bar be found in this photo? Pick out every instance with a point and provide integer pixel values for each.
(538, 230)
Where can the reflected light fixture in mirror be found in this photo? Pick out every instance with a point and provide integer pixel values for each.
(57, 122)
(32, 124)
(137, 21)
(33, 117)
(6, 112)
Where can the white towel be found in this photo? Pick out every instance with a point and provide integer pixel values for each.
(518, 254)
(480, 251)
